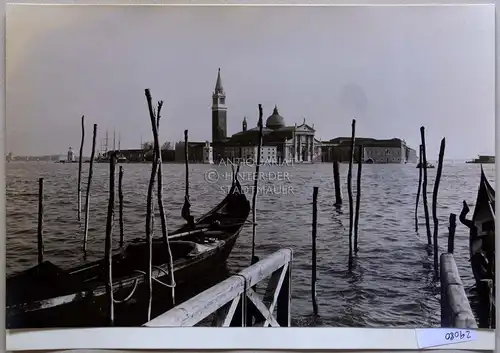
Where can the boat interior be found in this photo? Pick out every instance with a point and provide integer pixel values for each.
(52, 281)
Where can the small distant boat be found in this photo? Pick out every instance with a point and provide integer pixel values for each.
(48, 296)
(429, 165)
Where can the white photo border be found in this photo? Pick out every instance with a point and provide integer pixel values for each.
(198, 338)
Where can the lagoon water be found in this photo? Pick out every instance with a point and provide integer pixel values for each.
(391, 284)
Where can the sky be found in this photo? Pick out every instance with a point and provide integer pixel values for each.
(393, 69)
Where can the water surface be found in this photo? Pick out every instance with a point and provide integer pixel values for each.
(391, 284)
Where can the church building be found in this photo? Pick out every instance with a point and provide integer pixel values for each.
(280, 143)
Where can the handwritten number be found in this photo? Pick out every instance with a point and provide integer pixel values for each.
(450, 336)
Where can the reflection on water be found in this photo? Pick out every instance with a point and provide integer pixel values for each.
(391, 284)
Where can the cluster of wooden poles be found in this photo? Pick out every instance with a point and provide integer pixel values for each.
(432, 241)
(155, 172)
(353, 212)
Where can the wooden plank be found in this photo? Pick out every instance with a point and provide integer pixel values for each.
(283, 314)
(264, 268)
(230, 312)
(199, 307)
(254, 298)
(456, 311)
(277, 290)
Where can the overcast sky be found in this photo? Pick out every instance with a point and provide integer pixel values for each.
(393, 68)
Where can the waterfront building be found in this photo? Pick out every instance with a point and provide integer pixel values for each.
(483, 160)
(393, 150)
(70, 156)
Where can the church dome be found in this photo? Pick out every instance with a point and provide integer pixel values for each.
(275, 121)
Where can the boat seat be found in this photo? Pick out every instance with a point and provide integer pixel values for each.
(214, 234)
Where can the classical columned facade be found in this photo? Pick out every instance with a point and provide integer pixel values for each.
(302, 146)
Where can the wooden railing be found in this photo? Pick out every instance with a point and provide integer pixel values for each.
(456, 311)
(235, 302)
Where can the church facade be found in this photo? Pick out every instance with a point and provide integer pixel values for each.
(280, 143)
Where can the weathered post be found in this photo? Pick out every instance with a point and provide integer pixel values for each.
(358, 197)
(87, 198)
(451, 232)
(419, 185)
(40, 221)
(424, 187)
(149, 205)
(80, 170)
(255, 184)
(120, 200)
(186, 212)
(434, 208)
(349, 191)
(314, 225)
(108, 241)
(336, 183)
(163, 217)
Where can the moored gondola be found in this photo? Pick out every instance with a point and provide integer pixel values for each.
(48, 296)
(482, 242)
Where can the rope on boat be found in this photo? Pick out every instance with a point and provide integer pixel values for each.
(173, 285)
(129, 296)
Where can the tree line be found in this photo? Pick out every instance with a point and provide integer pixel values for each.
(167, 145)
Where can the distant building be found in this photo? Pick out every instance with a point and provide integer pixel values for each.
(198, 152)
(70, 156)
(138, 155)
(374, 151)
(483, 160)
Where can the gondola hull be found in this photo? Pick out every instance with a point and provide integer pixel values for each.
(77, 297)
(482, 247)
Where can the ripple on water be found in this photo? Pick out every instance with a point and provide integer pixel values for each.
(390, 285)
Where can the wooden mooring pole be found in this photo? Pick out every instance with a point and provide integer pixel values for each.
(419, 185)
(108, 250)
(451, 233)
(149, 204)
(358, 197)
(161, 207)
(159, 186)
(314, 225)
(80, 170)
(40, 221)
(424, 187)
(255, 185)
(434, 208)
(120, 205)
(336, 183)
(186, 208)
(87, 197)
(349, 191)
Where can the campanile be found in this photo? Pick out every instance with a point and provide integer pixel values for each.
(219, 112)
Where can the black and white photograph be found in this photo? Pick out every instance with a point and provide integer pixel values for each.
(250, 166)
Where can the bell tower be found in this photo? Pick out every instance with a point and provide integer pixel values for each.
(219, 112)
